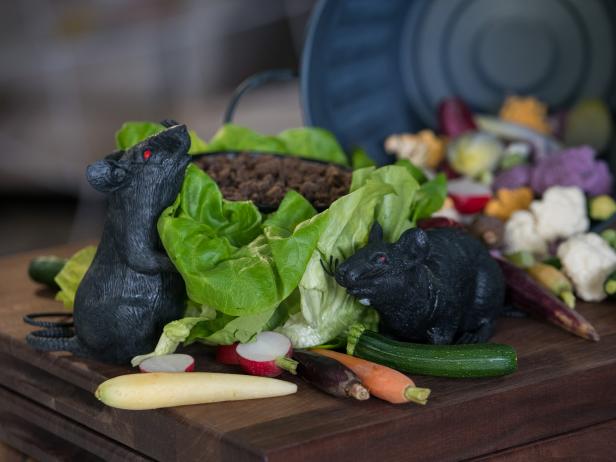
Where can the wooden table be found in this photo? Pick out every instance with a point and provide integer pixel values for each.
(561, 402)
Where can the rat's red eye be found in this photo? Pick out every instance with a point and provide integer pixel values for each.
(147, 154)
(381, 259)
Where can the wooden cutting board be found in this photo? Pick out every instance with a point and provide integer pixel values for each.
(564, 385)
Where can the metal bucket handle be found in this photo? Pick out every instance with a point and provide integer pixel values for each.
(256, 81)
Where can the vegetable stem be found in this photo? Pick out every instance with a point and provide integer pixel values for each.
(359, 392)
(522, 259)
(417, 395)
(610, 287)
(569, 299)
(287, 364)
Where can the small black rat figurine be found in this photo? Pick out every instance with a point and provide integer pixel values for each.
(132, 289)
(437, 286)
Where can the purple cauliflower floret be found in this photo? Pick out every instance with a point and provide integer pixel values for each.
(572, 167)
(515, 177)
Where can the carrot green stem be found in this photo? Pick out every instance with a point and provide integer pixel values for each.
(417, 395)
(568, 297)
(522, 259)
(287, 364)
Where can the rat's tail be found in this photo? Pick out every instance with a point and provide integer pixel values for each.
(57, 336)
(54, 340)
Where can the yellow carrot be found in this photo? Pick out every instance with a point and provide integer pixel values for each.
(553, 280)
(165, 389)
(381, 381)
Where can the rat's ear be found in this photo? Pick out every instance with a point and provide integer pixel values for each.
(115, 155)
(376, 233)
(168, 123)
(414, 242)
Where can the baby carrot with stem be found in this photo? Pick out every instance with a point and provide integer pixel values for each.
(381, 381)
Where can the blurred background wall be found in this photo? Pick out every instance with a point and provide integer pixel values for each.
(73, 71)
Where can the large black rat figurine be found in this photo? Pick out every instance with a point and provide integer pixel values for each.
(438, 286)
(132, 289)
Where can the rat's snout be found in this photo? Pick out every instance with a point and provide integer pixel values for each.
(345, 276)
(100, 175)
(104, 176)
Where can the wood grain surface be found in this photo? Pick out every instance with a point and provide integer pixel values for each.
(564, 384)
(596, 443)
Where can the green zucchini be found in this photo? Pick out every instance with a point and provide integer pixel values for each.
(477, 360)
(44, 269)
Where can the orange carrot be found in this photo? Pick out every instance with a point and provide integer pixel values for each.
(381, 381)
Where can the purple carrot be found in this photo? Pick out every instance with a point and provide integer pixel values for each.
(526, 294)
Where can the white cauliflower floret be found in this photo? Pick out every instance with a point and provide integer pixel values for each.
(588, 260)
(561, 213)
(521, 234)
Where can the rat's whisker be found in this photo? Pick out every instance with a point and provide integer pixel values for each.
(327, 269)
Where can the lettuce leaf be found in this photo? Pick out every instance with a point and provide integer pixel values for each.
(307, 142)
(229, 259)
(360, 159)
(231, 137)
(384, 194)
(69, 278)
(132, 133)
(430, 197)
(416, 172)
(313, 143)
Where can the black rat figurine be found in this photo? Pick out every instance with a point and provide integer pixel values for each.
(132, 289)
(438, 286)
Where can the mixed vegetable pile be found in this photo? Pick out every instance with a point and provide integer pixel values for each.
(260, 290)
(530, 185)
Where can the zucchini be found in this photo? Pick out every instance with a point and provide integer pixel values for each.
(44, 270)
(477, 360)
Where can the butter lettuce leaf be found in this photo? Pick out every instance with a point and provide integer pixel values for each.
(69, 278)
(326, 309)
(230, 258)
(307, 142)
(360, 159)
(232, 138)
(313, 143)
(430, 197)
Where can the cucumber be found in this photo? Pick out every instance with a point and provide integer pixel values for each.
(477, 360)
(44, 270)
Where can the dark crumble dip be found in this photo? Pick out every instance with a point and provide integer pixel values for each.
(265, 179)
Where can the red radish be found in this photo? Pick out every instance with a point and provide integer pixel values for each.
(455, 117)
(168, 363)
(438, 222)
(449, 172)
(226, 354)
(468, 196)
(262, 356)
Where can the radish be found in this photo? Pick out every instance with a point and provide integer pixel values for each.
(226, 354)
(438, 222)
(168, 363)
(455, 117)
(265, 355)
(468, 196)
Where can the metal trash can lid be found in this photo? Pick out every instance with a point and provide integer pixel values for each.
(372, 68)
